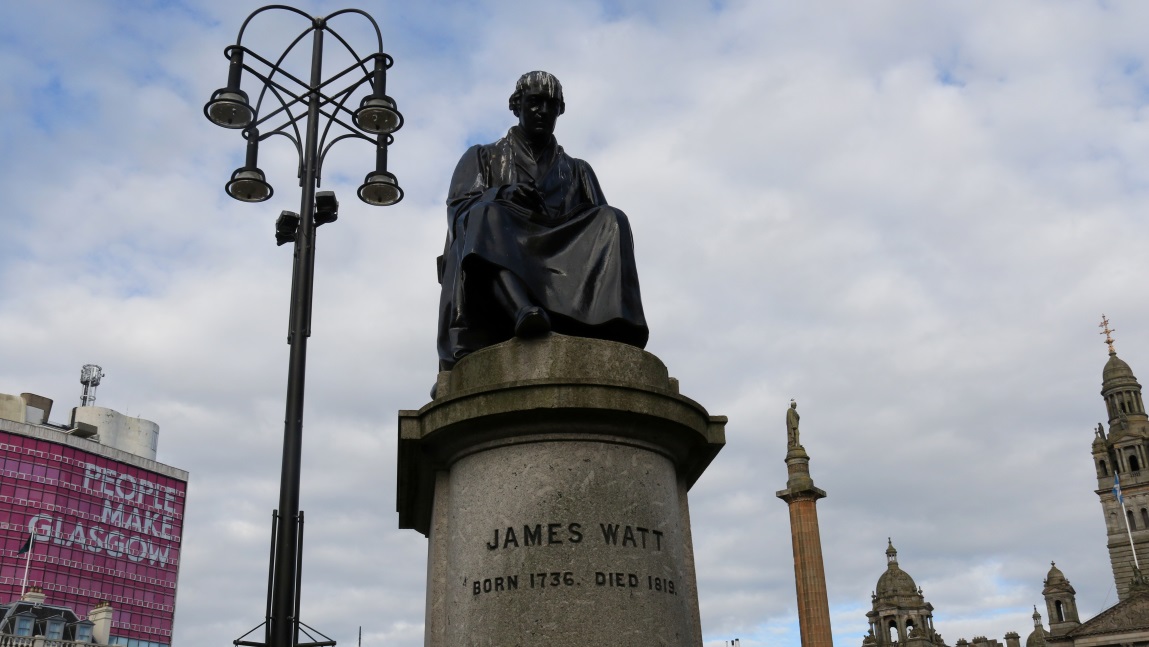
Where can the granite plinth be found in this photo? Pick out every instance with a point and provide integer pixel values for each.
(550, 477)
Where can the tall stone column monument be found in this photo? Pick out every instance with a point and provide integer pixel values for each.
(550, 478)
(809, 573)
(550, 470)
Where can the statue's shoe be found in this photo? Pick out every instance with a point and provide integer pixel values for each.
(532, 321)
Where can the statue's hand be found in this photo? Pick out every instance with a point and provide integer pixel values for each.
(528, 197)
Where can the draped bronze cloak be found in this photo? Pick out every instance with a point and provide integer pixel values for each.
(575, 257)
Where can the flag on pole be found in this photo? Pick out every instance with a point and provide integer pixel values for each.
(27, 545)
(1117, 489)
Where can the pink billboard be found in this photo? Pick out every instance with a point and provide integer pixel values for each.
(104, 531)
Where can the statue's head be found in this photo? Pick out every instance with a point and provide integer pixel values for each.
(793, 404)
(537, 82)
(538, 101)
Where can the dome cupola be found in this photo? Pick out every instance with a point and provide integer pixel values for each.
(1121, 391)
(1039, 634)
(895, 581)
(900, 612)
(1060, 601)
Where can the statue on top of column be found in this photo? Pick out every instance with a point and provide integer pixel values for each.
(792, 418)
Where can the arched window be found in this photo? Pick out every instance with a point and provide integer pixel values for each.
(1059, 609)
(1101, 466)
(1134, 464)
(1132, 525)
(893, 632)
(1144, 518)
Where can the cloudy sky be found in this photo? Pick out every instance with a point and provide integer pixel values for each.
(909, 216)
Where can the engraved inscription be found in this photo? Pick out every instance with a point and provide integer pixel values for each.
(628, 536)
(554, 533)
(553, 579)
(616, 579)
(562, 579)
(633, 536)
(539, 534)
(633, 581)
(495, 584)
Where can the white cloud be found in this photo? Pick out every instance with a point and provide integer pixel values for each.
(909, 218)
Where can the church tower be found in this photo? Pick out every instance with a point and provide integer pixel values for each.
(900, 614)
(1120, 458)
(1060, 601)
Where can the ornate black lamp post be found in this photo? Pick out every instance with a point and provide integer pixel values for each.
(294, 103)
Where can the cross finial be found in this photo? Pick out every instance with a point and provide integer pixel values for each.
(1104, 325)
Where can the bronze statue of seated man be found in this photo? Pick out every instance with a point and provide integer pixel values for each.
(532, 245)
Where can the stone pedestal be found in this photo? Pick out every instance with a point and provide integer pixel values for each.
(550, 477)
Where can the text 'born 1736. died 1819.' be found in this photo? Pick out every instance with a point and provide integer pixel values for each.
(532, 245)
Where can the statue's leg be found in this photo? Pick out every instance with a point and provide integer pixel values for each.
(530, 319)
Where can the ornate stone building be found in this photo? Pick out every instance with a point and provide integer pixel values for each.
(1120, 457)
(900, 615)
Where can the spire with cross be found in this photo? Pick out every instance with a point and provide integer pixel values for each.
(1104, 325)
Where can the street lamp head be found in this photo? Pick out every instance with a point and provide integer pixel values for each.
(380, 189)
(378, 115)
(229, 108)
(248, 185)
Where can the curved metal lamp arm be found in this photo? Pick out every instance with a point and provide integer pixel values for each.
(378, 32)
(338, 100)
(351, 135)
(239, 38)
(293, 121)
(300, 98)
(277, 67)
(298, 148)
(331, 121)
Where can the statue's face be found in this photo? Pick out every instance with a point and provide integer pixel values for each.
(538, 112)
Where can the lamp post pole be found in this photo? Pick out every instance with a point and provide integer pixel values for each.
(377, 116)
(285, 575)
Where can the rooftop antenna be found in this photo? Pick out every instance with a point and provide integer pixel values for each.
(90, 376)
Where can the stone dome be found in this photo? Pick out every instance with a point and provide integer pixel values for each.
(1116, 369)
(1055, 582)
(895, 581)
(1035, 639)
